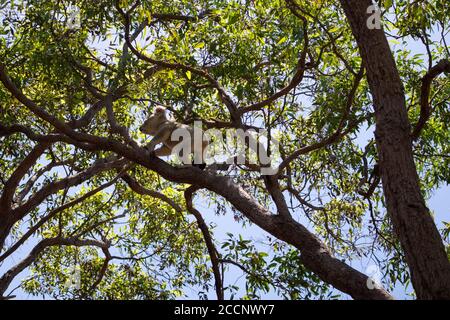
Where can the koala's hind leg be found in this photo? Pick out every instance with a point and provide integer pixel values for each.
(163, 151)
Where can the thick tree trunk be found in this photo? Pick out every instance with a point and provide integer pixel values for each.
(412, 222)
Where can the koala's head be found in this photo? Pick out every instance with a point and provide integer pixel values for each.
(152, 124)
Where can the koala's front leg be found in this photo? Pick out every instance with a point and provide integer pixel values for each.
(161, 136)
(151, 146)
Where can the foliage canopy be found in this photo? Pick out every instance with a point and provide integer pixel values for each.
(290, 67)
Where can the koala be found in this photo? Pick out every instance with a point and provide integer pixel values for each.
(161, 128)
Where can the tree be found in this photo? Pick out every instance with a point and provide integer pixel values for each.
(79, 189)
(411, 219)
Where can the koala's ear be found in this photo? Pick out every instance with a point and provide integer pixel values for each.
(160, 110)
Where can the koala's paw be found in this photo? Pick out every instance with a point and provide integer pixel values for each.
(201, 166)
(150, 150)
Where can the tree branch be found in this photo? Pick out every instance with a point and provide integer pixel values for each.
(225, 98)
(425, 109)
(67, 182)
(298, 72)
(338, 134)
(53, 213)
(212, 251)
(6, 279)
(19, 173)
(136, 187)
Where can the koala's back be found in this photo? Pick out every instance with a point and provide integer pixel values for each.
(170, 127)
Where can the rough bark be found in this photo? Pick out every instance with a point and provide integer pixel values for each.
(421, 242)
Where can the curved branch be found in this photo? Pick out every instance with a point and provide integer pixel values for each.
(6, 279)
(19, 173)
(102, 271)
(213, 254)
(298, 75)
(273, 187)
(74, 180)
(425, 109)
(225, 98)
(48, 138)
(53, 213)
(338, 134)
(35, 177)
(136, 187)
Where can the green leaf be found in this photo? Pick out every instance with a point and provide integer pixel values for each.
(199, 45)
(282, 40)
(388, 3)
